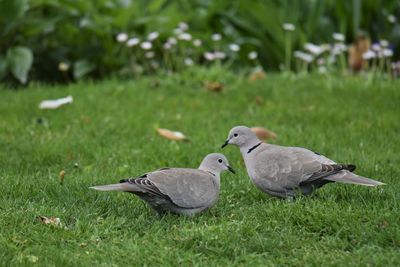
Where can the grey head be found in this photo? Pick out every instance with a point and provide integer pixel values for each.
(215, 163)
(242, 137)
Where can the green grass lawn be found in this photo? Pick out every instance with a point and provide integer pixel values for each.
(109, 131)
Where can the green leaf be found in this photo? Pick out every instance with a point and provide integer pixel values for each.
(82, 67)
(13, 9)
(3, 67)
(19, 61)
(356, 16)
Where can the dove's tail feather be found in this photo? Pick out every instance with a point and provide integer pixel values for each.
(115, 187)
(347, 177)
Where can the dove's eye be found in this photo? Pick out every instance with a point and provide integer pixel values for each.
(235, 134)
(220, 160)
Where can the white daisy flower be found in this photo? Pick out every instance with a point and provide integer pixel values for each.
(326, 47)
(209, 56)
(122, 37)
(172, 40)
(183, 26)
(338, 37)
(391, 19)
(322, 69)
(219, 55)
(188, 61)
(152, 36)
(216, 37)
(387, 52)
(63, 66)
(132, 42)
(185, 36)
(376, 47)
(149, 54)
(313, 49)
(339, 48)
(234, 47)
(252, 55)
(178, 31)
(288, 27)
(304, 56)
(146, 45)
(197, 42)
(167, 46)
(368, 55)
(384, 43)
(84, 22)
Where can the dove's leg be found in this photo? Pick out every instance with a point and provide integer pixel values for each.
(308, 188)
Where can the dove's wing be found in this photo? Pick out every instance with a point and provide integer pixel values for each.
(187, 188)
(285, 168)
(290, 167)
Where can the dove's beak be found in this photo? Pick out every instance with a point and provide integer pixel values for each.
(231, 169)
(225, 144)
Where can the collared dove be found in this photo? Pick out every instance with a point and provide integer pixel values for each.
(287, 171)
(177, 190)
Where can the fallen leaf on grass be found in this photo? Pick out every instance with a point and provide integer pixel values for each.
(61, 175)
(257, 75)
(51, 220)
(55, 103)
(214, 86)
(259, 100)
(171, 135)
(263, 133)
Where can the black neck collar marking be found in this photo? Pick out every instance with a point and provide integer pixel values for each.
(211, 173)
(254, 147)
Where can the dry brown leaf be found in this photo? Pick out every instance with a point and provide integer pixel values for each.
(51, 220)
(257, 75)
(259, 100)
(214, 86)
(171, 135)
(61, 175)
(263, 133)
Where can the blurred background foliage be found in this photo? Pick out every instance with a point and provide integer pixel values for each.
(37, 35)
